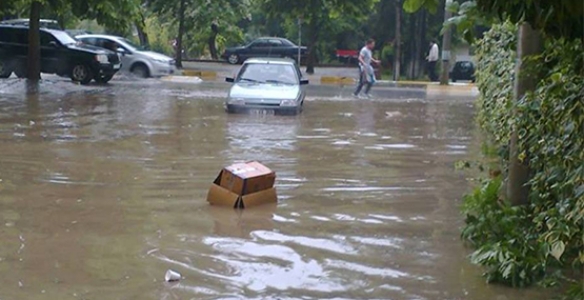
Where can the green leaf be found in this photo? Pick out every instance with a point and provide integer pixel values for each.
(558, 249)
(412, 6)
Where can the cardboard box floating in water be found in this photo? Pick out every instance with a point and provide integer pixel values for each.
(243, 185)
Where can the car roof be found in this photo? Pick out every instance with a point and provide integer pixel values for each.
(19, 26)
(26, 20)
(269, 60)
(106, 36)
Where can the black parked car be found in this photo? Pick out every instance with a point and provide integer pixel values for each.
(60, 54)
(264, 47)
(43, 23)
(463, 70)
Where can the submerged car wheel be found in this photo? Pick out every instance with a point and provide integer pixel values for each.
(233, 59)
(5, 70)
(20, 70)
(81, 73)
(104, 78)
(140, 71)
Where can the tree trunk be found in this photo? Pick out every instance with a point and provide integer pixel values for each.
(412, 41)
(211, 41)
(446, 40)
(212, 47)
(140, 26)
(420, 42)
(397, 41)
(34, 43)
(181, 31)
(312, 38)
(528, 43)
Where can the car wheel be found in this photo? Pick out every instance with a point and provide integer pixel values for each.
(20, 70)
(140, 71)
(81, 73)
(104, 78)
(233, 59)
(5, 70)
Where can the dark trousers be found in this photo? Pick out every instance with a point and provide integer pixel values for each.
(432, 71)
(363, 82)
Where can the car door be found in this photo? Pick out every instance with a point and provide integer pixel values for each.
(276, 49)
(50, 53)
(258, 48)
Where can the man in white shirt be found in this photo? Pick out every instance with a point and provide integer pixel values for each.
(432, 60)
(366, 73)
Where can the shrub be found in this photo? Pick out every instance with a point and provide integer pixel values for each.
(523, 245)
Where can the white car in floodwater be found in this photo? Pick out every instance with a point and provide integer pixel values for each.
(135, 59)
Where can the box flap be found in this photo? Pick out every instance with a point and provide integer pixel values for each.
(218, 179)
(220, 196)
(248, 170)
(265, 196)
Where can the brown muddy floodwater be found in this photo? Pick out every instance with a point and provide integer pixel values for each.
(102, 191)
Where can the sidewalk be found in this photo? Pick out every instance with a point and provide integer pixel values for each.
(342, 76)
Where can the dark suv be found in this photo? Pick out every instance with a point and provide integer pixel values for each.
(60, 54)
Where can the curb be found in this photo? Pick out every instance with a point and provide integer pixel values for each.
(336, 80)
(201, 74)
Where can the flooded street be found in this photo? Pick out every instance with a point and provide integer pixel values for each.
(103, 190)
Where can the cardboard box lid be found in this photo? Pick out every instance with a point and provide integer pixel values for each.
(246, 178)
(249, 170)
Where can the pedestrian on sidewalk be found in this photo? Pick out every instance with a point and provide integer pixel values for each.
(432, 60)
(366, 73)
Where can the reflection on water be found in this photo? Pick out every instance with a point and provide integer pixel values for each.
(101, 194)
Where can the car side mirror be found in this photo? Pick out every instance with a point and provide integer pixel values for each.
(304, 81)
(53, 44)
(229, 79)
(121, 51)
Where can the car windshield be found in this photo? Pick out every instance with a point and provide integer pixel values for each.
(64, 38)
(135, 46)
(268, 73)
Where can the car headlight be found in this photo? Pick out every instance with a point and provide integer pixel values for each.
(236, 101)
(102, 58)
(288, 102)
(162, 61)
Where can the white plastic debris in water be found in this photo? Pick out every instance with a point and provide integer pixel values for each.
(172, 276)
(182, 79)
(392, 114)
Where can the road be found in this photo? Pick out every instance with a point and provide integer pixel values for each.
(102, 190)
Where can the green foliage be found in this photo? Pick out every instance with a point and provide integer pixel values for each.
(199, 15)
(507, 246)
(523, 245)
(412, 6)
(466, 17)
(555, 18)
(553, 121)
(495, 57)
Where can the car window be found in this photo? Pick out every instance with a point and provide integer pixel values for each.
(262, 72)
(89, 41)
(286, 42)
(259, 43)
(108, 44)
(12, 35)
(63, 37)
(46, 38)
(276, 43)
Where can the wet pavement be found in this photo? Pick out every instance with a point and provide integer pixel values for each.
(102, 190)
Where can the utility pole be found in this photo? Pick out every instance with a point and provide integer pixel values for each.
(299, 39)
(446, 40)
(397, 41)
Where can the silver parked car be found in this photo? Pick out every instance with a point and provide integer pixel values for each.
(135, 59)
(267, 84)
